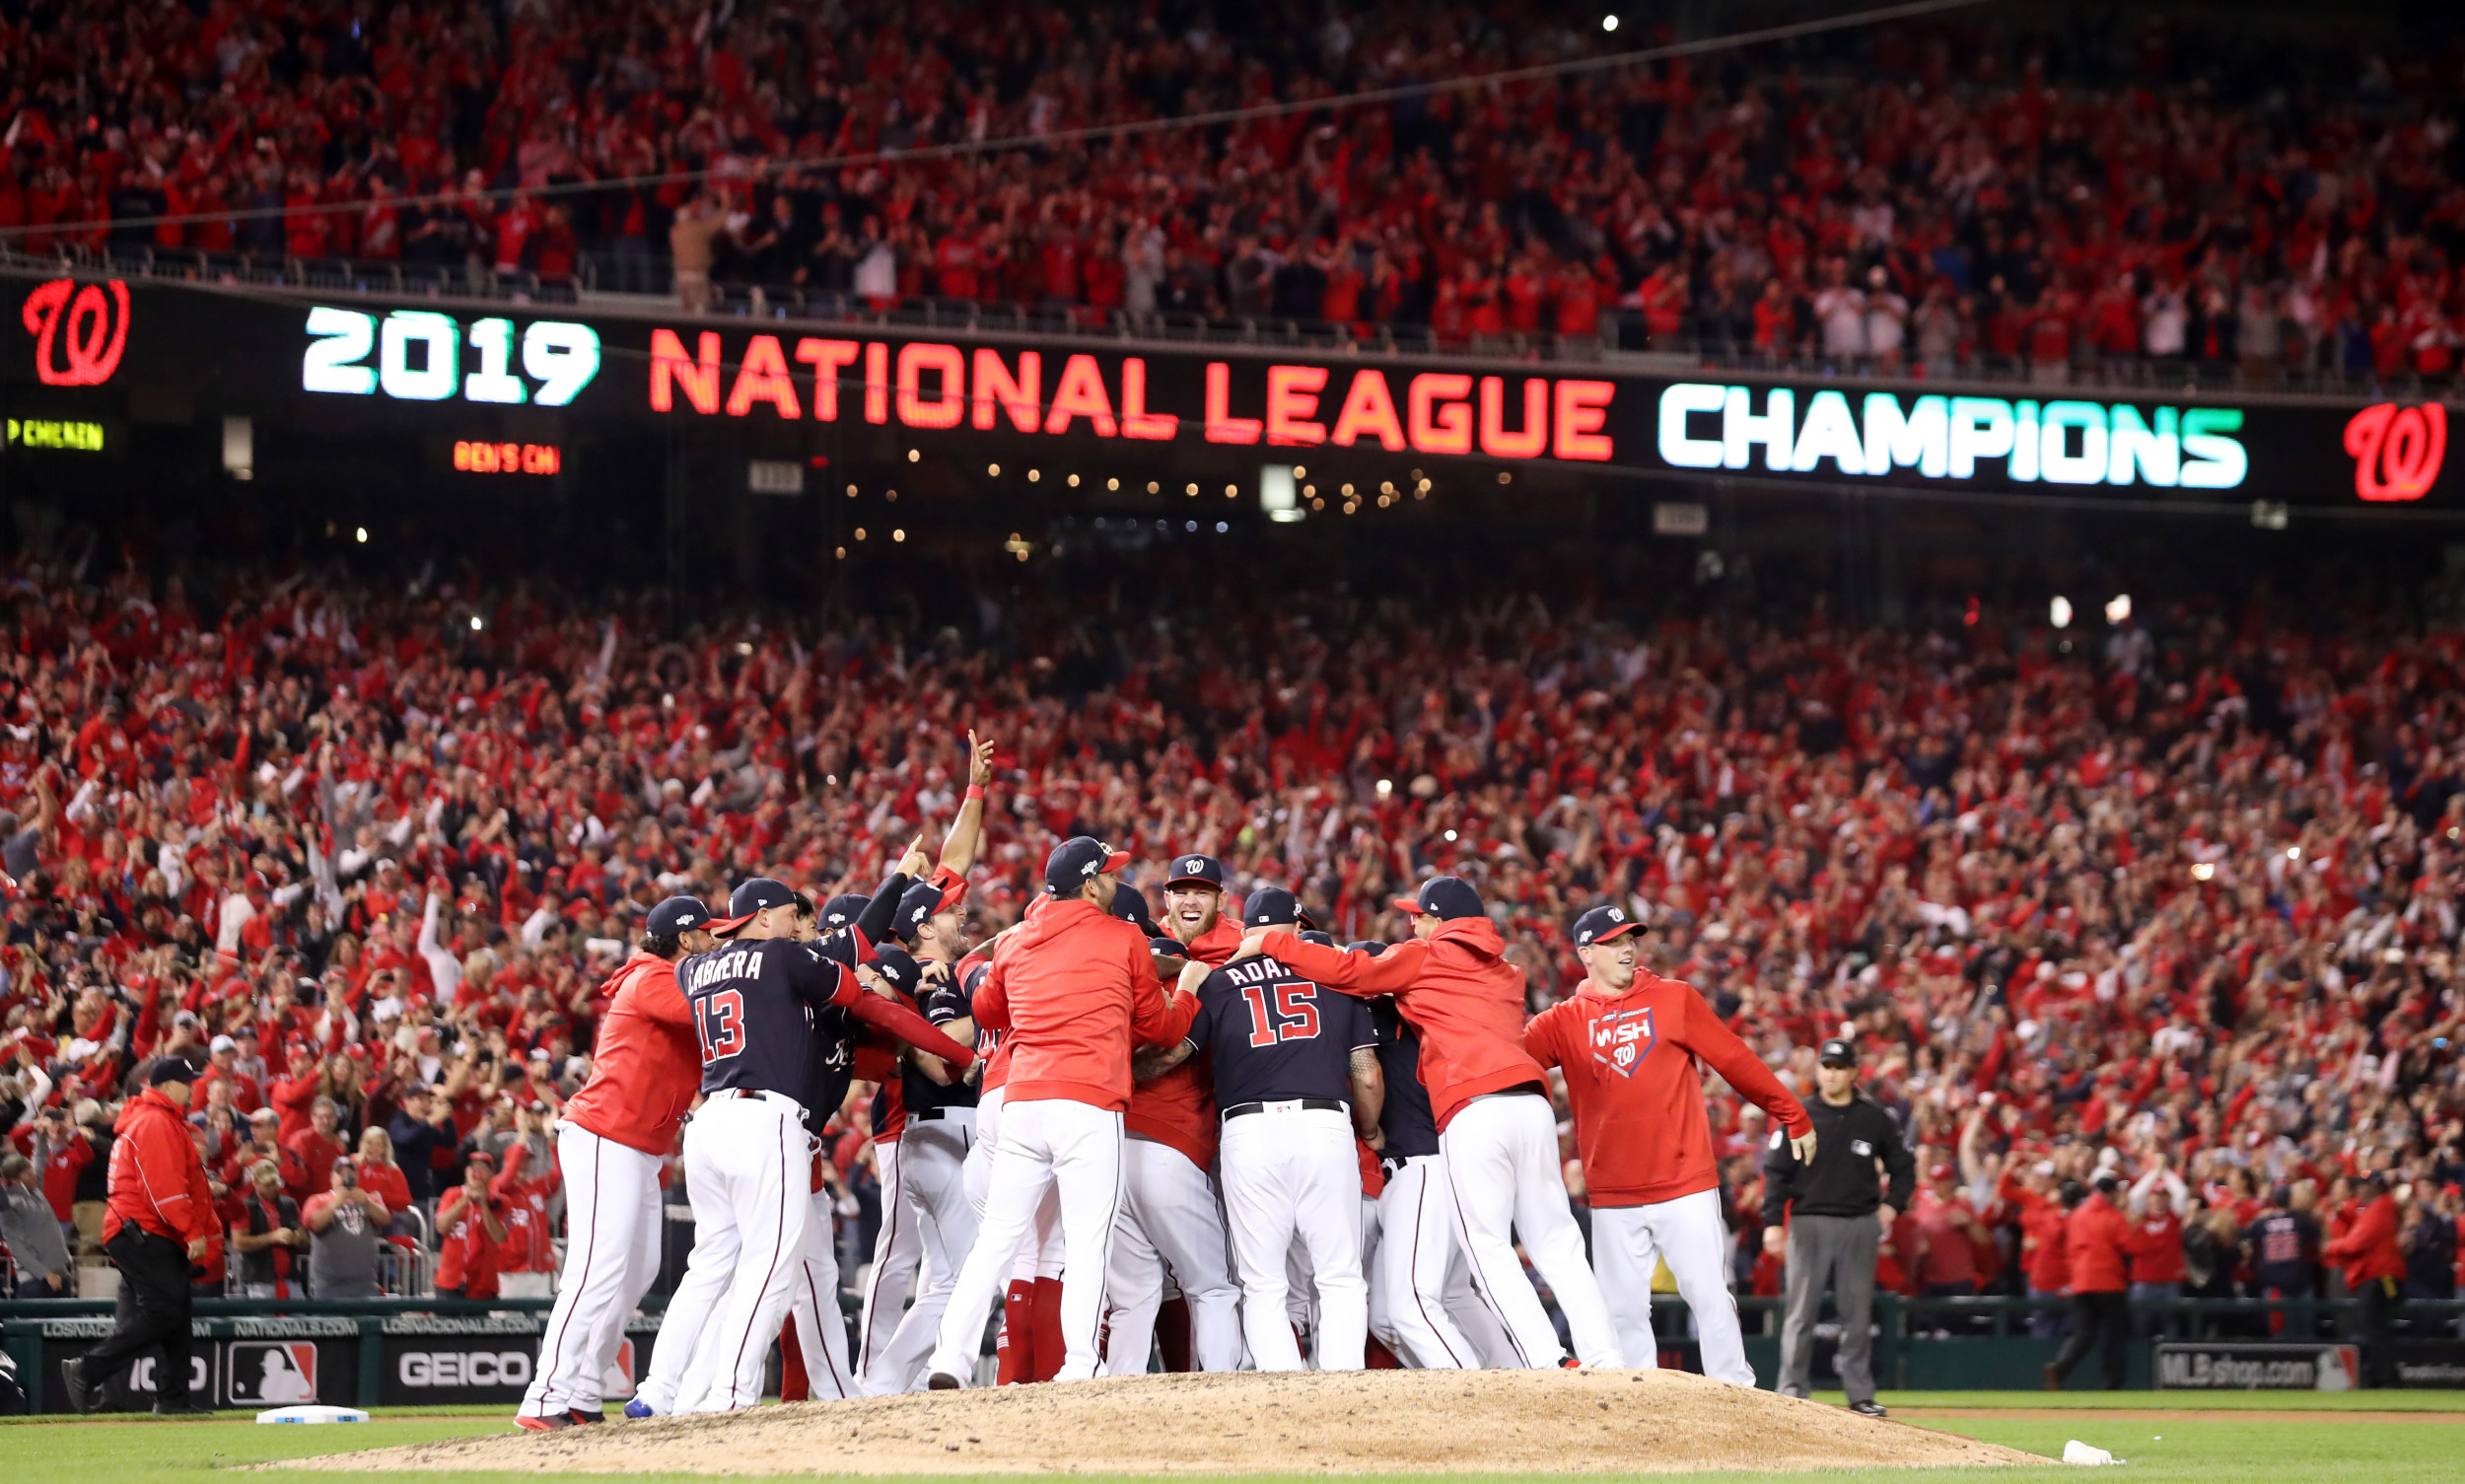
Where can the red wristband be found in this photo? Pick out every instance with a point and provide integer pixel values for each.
(975, 793)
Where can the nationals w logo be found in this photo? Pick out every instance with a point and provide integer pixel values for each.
(78, 339)
(1622, 1039)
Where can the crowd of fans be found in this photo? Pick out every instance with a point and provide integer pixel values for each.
(2178, 905)
(2110, 192)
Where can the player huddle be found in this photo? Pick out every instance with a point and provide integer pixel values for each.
(1090, 1116)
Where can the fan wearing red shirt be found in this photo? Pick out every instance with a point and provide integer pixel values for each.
(2374, 1266)
(1632, 1047)
(528, 1257)
(474, 1232)
(318, 1146)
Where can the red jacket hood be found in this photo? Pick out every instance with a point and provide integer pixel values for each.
(1477, 936)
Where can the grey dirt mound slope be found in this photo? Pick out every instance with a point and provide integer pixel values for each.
(1364, 1422)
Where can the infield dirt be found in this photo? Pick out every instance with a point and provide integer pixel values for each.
(1361, 1421)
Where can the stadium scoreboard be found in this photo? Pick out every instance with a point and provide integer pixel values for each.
(85, 351)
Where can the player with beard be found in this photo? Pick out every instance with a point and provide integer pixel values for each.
(1170, 1219)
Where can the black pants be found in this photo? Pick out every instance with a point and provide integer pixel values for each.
(2375, 1326)
(2105, 1322)
(153, 1311)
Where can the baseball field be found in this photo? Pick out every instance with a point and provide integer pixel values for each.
(2403, 1436)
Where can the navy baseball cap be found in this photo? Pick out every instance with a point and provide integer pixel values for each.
(1198, 870)
(1838, 1053)
(1446, 896)
(899, 968)
(1322, 940)
(1077, 859)
(1130, 905)
(841, 909)
(1171, 948)
(1603, 925)
(1273, 907)
(1370, 946)
(919, 903)
(170, 1069)
(676, 916)
(756, 895)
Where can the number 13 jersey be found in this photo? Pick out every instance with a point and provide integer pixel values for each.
(753, 1006)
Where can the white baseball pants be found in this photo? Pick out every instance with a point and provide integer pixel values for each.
(1501, 1162)
(813, 1306)
(897, 1252)
(611, 1256)
(1047, 1145)
(1417, 1256)
(751, 1182)
(1169, 1224)
(1628, 1241)
(931, 1161)
(1287, 1175)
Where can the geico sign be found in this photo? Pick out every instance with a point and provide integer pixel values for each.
(1711, 427)
(419, 358)
(465, 1368)
(926, 385)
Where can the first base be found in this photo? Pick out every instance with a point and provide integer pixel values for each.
(313, 1414)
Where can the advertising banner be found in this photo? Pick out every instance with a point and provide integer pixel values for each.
(2222, 1366)
(75, 355)
(248, 1363)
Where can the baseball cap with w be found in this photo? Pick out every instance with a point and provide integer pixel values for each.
(1448, 896)
(1205, 870)
(1074, 861)
(1603, 925)
(1273, 907)
(758, 894)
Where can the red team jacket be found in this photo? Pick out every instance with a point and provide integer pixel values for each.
(1076, 991)
(157, 1180)
(647, 1064)
(2098, 1236)
(2367, 1253)
(1635, 1085)
(1457, 990)
(1179, 1108)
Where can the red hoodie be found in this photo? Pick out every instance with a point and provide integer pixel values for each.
(1457, 990)
(1075, 993)
(2369, 1252)
(157, 1180)
(2097, 1235)
(1634, 1069)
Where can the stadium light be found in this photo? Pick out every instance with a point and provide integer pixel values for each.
(1386, 786)
(475, 624)
(361, 534)
(2059, 612)
(2118, 608)
(1609, 23)
(2202, 871)
(2293, 852)
(1277, 498)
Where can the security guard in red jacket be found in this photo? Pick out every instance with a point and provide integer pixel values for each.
(2098, 1236)
(161, 1220)
(2374, 1269)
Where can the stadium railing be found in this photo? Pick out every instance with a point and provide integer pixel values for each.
(1622, 337)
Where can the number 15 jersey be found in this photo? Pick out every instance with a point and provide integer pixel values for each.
(1274, 1034)
(754, 1007)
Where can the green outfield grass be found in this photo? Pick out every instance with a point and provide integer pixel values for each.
(2221, 1451)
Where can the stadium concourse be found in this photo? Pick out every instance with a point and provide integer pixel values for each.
(2058, 190)
(2176, 904)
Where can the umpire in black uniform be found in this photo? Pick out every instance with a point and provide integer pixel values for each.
(1836, 1210)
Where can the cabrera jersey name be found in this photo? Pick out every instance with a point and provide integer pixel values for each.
(753, 1006)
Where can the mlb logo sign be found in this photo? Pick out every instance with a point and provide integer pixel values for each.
(270, 1372)
(1622, 1039)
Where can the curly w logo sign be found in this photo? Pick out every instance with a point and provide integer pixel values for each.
(2397, 451)
(79, 331)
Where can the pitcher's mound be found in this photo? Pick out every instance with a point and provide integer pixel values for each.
(1361, 1421)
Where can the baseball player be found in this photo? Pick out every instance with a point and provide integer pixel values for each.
(1297, 1075)
(1496, 1128)
(1076, 991)
(1422, 1306)
(1170, 1219)
(645, 1069)
(747, 1165)
(1633, 1047)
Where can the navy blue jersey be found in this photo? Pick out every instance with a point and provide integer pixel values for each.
(1411, 1128)
(833, 1067)
(956, 1000)
(753, 1006)
(1274, 1034)
(942, 1005)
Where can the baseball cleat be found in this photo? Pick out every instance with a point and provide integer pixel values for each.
(1570, 1362)
(583, 1419)
(1869, 1408)
(943, 1381)
(73, 1380)
(544, 1424)
(639, 1408)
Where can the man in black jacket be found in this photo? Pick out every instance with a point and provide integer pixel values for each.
(1836, 1210)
